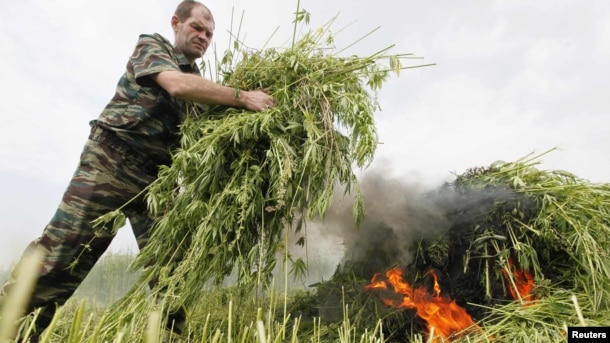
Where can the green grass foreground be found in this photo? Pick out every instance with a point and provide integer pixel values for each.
(230, 314)
(223, 314)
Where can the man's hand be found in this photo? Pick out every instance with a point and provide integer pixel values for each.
(257, 100)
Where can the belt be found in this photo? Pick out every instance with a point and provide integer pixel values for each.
(109, 138)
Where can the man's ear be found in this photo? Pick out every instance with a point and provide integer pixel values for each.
(175, 21)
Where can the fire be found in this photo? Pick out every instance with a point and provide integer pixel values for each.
(520, 284)
(445, 318)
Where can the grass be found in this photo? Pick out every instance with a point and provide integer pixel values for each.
(13, 307)
(224, 314)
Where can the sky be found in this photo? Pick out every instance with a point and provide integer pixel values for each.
(509, 78)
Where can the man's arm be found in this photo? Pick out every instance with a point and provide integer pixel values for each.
(195, 88)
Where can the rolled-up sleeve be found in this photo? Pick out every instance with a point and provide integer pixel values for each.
(151, 56)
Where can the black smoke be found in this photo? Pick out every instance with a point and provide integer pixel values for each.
(400, 212)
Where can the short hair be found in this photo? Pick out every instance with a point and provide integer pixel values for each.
(184, 9)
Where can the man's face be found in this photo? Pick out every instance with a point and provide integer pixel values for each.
(194, 35)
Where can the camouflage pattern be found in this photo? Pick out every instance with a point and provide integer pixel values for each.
(132, 136)
(141, 113)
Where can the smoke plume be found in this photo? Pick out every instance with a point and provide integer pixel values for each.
(398, 213)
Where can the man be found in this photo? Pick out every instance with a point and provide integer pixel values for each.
(133, 136)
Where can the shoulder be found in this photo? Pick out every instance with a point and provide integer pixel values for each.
(153, 38)
(154, 47)
(152, 55)
(154, 41)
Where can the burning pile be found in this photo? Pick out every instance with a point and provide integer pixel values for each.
(445, 319)
(503, 253)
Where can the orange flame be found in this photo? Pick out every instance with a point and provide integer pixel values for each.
(522, 280)
(444, 317)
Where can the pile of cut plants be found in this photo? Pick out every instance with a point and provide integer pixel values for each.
(525, 255)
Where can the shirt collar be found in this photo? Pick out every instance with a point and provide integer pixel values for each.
(183, 62)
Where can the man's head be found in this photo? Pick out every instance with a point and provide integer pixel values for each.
(193, 26)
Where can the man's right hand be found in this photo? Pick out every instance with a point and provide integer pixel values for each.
(257, 100)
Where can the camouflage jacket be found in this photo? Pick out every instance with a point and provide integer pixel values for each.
(141, 112)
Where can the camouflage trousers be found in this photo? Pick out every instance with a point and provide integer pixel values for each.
(109, 175)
